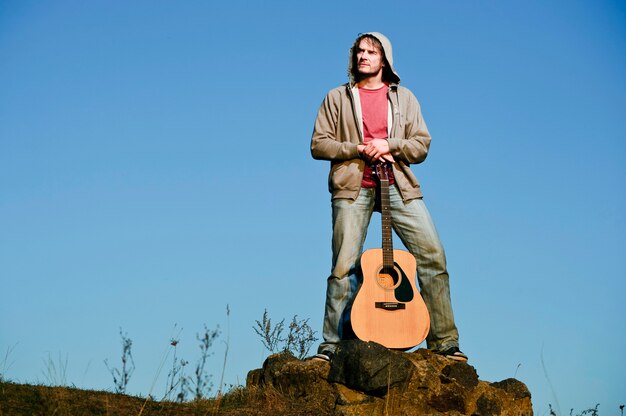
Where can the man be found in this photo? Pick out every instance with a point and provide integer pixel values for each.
(371, 120)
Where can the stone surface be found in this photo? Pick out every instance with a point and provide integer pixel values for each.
(369, 367)
(513, 386)
(368, 379)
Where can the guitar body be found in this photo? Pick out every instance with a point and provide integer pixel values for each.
(388, 308)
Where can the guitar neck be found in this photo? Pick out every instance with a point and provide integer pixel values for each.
(385, 210)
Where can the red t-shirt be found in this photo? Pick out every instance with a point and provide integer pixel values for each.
(374, 110)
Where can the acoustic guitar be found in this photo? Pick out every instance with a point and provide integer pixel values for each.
(388, 308)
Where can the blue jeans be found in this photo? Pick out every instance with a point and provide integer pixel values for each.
(413, 224)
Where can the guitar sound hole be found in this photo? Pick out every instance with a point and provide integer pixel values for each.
(388, 279)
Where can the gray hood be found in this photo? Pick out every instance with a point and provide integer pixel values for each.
(395, 78)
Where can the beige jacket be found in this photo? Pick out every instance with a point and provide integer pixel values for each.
(338, 131)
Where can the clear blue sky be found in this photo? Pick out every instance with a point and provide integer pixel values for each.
(155, 167)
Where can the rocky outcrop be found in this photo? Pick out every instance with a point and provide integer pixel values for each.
(368, 379)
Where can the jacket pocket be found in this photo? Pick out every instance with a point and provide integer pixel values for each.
(346, 175)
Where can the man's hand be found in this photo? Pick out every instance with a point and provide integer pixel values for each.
(376, 150)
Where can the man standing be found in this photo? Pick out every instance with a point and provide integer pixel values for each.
(371, 120)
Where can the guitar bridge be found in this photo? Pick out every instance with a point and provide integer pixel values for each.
(390, 306)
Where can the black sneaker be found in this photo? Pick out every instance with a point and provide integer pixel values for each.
(453, 353)
(325, 355)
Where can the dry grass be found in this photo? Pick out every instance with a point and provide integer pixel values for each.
(31, 400)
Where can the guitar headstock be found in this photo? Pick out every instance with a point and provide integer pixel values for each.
(382, 171)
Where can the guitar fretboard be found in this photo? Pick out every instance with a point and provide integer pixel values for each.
(385, 210)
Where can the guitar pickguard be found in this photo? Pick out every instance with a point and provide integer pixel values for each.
(404, 291)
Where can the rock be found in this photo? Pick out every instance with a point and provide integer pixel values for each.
(487, 406)
(515, 387)
(369, 379)
(369, 367)
(461, 373)
(295, 378)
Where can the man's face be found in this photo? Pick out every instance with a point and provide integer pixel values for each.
(369, 58)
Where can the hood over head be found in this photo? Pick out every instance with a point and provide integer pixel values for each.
(390, 74)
